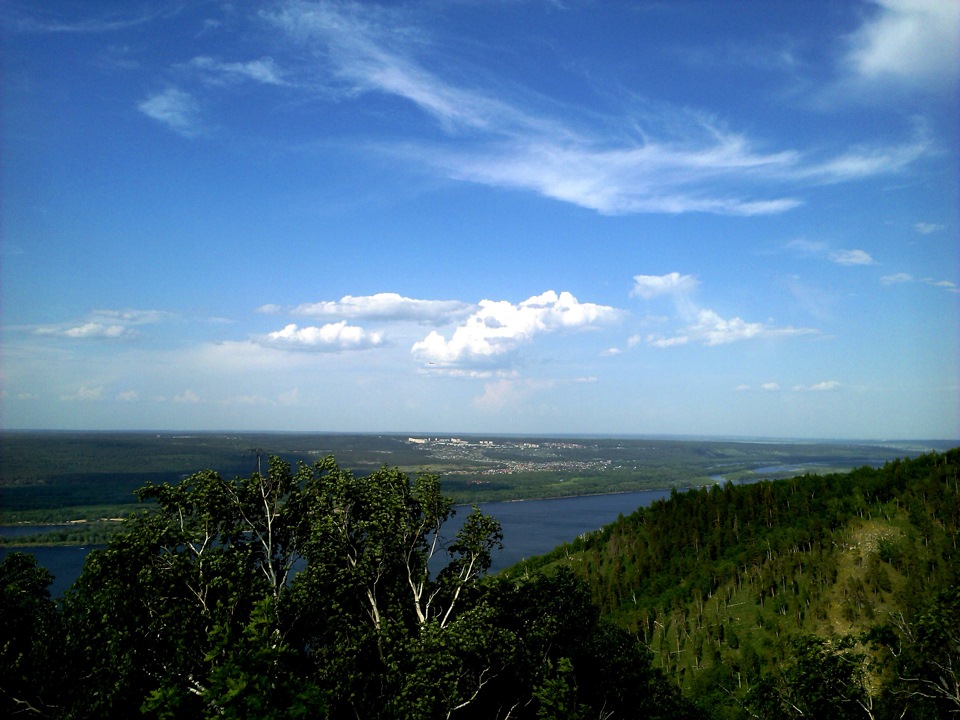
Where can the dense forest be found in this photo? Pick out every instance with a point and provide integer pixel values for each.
(314, 592)
(816, 596)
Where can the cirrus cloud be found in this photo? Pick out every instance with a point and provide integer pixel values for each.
(675, 160)
(215, 71)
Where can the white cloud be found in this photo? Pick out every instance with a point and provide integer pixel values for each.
(818, 248)
(851, 257)
(704, 326)
(896, 278)
(770, 386)
(85, 393)
(106, 24)
(711, 329)
(742, 388)
(860, 163)
(613, 165)
(714, 330)
(105, 324)
(637, 176)
(289, 397)
(665, 342)
(649, 286)
(133, 317)
(384, 306)
(945, 284)
(925, 228)
(498, 328)
(187, 397)
(176, 109)
(807, 247)
(908, 43)
(332, 337)
(900, 278)
(508, 393)
(263, 70)
(128, 396)
(825, 385)
(88, 330)
(247, 400)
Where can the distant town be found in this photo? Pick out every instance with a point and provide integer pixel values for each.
(531, 456)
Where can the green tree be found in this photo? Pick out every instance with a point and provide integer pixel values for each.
(285, 595)
(820, 680)
(924, 654)
(29, 637)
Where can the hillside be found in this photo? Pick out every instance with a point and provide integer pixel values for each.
(734, 588)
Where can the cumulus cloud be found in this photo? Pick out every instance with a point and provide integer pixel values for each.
(770, 386)
(332, 337)
(384, 306)
(825, 385)
(498, 328)
(908, 43)
(176, 109)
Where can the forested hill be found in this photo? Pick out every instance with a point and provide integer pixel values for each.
(769, 598)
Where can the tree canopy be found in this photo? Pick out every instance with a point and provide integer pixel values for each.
(313, 593)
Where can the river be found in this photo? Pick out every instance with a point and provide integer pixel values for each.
(530, 527)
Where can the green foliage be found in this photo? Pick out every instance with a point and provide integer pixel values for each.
(311, 594)
(718, 582)
(820, 680)
(29, 637)
(321, 593)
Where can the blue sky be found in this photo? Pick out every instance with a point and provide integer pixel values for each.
(698, 218)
